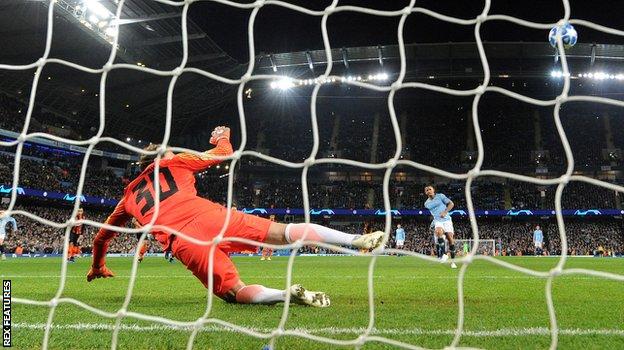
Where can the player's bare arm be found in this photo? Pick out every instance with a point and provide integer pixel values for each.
(449, 207)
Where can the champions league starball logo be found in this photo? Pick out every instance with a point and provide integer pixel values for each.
(70, 198)
(254, 211)
(393, 212)
(587, 212)
(519, 212)
(9, 189)
(322, 212)
(457, 212)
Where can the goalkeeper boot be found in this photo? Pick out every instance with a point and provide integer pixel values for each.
(300, 295)
(453, 266)
(3, 257)
(369, 241)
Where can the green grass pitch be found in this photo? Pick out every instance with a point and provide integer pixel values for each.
(415, 302)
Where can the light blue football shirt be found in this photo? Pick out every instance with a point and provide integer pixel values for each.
(400, 234)
(437, 205)
(538, 236)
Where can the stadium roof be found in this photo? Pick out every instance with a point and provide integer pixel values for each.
(455, 60)
(150, 34)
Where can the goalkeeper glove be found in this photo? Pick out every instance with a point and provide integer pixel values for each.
(219, 133)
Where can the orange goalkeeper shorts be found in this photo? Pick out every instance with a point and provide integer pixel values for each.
(207, 226)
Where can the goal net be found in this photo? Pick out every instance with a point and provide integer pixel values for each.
(477, 246)
(480, 247)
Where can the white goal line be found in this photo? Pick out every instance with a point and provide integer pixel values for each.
(503, 332)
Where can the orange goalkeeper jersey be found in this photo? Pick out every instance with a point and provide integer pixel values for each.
(179, 203)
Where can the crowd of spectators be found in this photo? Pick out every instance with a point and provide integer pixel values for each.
(60, 176)
(584, 237)
(54, 171)
(436, 134)
(436, 137)
(37, 238)
(512, 238)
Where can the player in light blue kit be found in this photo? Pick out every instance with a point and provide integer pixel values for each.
(538, 240)
(4, 221)
(439, 205)
(399, 237)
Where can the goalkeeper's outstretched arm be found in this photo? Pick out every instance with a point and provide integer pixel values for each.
(223, 148)
(119, 217)
(220, 137)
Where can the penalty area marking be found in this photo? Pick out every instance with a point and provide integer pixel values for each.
(504, 332)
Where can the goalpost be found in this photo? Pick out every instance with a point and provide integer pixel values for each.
(483, 247)
(469, 177)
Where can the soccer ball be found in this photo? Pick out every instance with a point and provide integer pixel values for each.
(568, 36)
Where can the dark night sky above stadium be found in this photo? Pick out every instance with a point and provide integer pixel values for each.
(281, 30)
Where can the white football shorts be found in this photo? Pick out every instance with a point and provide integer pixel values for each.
(447, 226)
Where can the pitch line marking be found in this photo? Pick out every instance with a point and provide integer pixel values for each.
(503, 332)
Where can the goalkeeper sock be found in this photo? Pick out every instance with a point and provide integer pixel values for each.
(318, 233)
(440, 247)
(143, 248)
(452, 248)
(257, 294)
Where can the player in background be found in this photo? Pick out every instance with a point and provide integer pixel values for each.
(399, 237)
(433, 235)
(182, 210)
(74, 235)
(4, 221)
(145, 245)
(538, 240)
(439, 205)
(267, 253)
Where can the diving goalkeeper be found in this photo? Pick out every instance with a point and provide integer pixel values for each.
(182, 210)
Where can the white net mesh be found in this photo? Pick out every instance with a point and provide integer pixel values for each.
(389, 165)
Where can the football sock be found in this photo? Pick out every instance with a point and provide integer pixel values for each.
(440, 247)
(452, 248)
(318, 233)
(257, 294)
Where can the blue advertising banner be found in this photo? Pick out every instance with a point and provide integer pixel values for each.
(70, 197)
